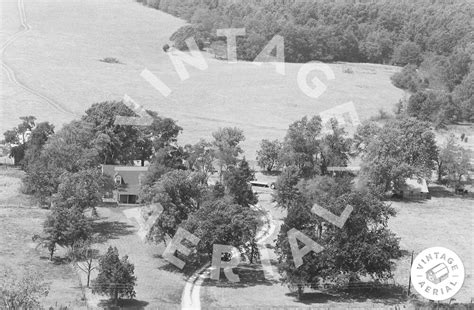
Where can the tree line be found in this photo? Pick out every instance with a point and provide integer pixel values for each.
(390, 152)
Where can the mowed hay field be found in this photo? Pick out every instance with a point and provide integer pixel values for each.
(59, 57)
(19, 221)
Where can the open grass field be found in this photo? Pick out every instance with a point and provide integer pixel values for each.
(19, 221)
(59, 58)
(446, 220)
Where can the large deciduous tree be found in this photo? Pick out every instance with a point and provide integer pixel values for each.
(180, 193)
(227, 148)
(435, 107)
(402, 148)
(286, 183)
(267, 156)
(39, 135)
(237, 182)
(364, 246)
(69, 150)
(221, 221)
(115, 143)
(64, 227)
(83, 189)
(201, 157)
(335, 148)
(313, 151)
(454, 162)
(17, 138)
(302, 144)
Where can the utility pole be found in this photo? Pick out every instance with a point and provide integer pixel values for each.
(409, 275)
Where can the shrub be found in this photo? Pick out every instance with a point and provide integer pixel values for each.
(22, 293)
(408, 79)
(185, 32)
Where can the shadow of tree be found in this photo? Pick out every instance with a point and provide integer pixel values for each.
(404, 253)
(386, 294)
(409, 200)
(187, 270)
(122, 304)
(432, 305)
(111, 229)
(440, 191)
(271, 173)
(249, 275)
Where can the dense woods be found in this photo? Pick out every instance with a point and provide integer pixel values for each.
(381, 32)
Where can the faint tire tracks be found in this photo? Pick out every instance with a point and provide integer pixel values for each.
(11, 76)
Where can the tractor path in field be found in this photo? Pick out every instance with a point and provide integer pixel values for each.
(10, 73)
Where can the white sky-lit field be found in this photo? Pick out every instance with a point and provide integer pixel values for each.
(59, 58)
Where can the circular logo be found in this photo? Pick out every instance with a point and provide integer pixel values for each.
(437, 273)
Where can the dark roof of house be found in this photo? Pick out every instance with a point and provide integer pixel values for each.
(131, 177)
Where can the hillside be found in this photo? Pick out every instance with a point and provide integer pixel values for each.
(59, 57)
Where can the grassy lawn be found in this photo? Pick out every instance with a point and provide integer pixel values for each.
(157, 287)
(19, 221)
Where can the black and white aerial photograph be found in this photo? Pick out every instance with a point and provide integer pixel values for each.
(237, 154)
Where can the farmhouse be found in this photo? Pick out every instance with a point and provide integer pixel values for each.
(127, 180)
